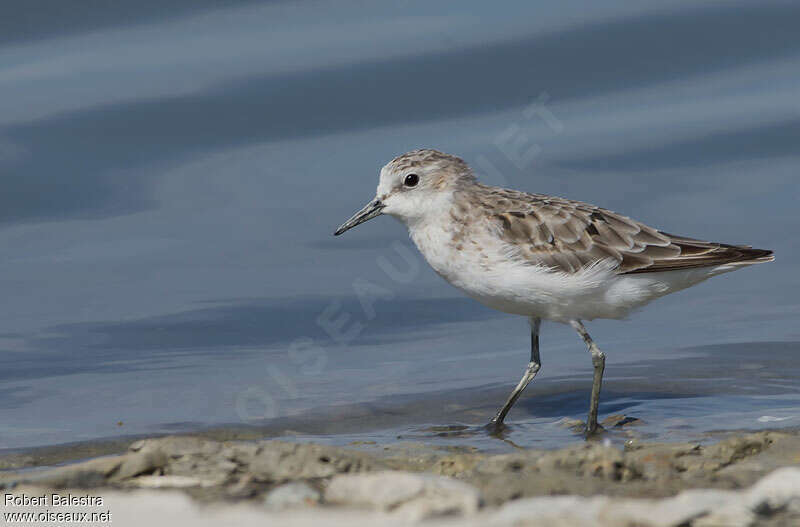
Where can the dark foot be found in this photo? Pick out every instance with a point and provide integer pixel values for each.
(594, 432)
(496, 428)
(621, 421)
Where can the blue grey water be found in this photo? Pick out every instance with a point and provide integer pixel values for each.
(171, 173)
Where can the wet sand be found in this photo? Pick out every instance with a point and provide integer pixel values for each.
(755, 479)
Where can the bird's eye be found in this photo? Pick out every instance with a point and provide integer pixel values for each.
(411, 180)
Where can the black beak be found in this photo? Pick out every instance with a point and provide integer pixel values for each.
(370, 210)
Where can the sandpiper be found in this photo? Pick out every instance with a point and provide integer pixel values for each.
(538, 256)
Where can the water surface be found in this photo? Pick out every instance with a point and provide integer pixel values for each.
(171, 175)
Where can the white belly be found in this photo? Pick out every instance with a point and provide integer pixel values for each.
(486, 274)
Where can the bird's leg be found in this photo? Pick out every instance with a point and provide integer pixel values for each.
(599, 363)
(530, 372)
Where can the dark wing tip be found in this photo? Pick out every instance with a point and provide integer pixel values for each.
(696, 253)
(764, 255)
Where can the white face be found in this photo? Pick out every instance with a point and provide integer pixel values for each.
(412, 187)
(411, 194)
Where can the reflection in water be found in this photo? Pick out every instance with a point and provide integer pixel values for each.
(171, 176)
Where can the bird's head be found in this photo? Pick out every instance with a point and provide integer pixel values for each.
(414, 186)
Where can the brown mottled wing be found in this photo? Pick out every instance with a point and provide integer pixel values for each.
(569, 235)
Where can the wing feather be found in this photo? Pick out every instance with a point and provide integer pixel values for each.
(568, 236)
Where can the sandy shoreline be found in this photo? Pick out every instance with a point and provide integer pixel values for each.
(411, 482)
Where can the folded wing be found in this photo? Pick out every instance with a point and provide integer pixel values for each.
(568, 235)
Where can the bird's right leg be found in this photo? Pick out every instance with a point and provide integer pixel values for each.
(530, 372)
(599, 364)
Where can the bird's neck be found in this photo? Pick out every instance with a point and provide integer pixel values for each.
(434, 237)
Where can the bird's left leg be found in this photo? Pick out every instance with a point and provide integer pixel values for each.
(530, 372)
(599, 363)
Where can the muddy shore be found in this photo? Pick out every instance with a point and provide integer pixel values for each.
(749, 479)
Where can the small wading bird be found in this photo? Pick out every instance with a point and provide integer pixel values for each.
(540, 256)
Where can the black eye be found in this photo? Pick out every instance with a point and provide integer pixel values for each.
(411, 180)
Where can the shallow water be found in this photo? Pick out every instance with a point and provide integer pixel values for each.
(170, 182)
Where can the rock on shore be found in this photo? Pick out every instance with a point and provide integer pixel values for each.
(748, 479)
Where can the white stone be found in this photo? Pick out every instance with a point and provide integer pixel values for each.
(551, 511)
(705, 507)
(408, 495)
(296, 494)
(778, 489)
(168, 481)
